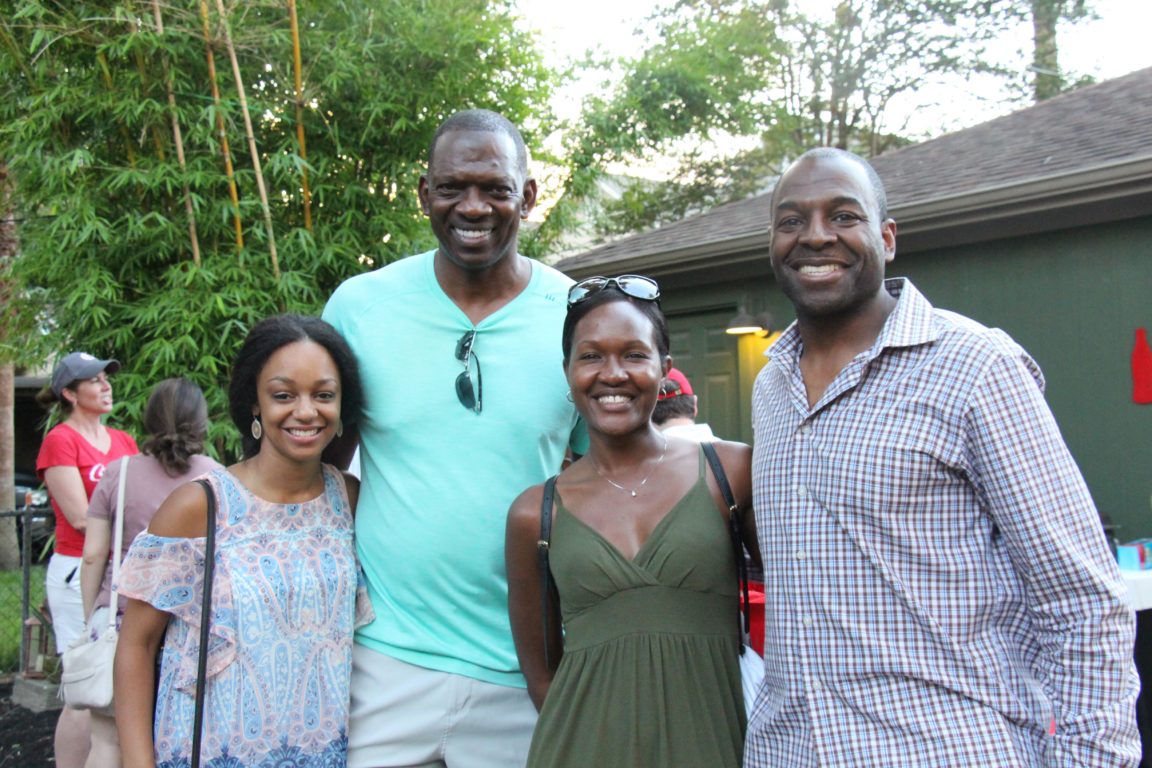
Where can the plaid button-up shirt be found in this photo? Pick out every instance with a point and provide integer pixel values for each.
(940, 590)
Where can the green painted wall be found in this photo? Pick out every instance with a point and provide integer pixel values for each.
(1073, 299)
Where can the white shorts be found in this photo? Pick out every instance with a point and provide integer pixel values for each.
(62, 587)
(405, 716)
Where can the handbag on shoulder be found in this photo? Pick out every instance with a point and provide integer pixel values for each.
(751, 663)
(205, 621)
(86, 680)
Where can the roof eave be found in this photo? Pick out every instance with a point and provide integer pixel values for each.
(1107, 192)
(710, 254)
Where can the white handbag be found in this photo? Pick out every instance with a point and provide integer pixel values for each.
(86, 680)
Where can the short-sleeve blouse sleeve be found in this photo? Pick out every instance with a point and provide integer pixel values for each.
(168, 574)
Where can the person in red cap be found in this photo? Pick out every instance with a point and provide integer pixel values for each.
(676, 409)
(71, 462)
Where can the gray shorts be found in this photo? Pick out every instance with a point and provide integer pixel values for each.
(405, 716)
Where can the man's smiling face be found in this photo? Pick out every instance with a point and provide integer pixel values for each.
(475, 195)
(829, 246)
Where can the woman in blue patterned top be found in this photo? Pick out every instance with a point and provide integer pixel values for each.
(284, 597)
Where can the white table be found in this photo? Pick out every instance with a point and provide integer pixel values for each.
(1139, 589)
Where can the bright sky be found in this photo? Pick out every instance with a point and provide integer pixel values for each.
(1113, 45)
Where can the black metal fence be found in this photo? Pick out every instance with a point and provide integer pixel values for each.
(26, 643)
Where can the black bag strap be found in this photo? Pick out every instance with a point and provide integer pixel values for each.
(736, 531)
(205, 620)
(543, 544)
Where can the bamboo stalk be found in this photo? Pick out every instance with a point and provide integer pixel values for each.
(106, 70)
(8, 250)
(178, 138)
(221, 133)
(17, 53)
(300, 115)
(157, 139)
(251, 136)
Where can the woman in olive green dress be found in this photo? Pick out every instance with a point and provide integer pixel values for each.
(645, 672)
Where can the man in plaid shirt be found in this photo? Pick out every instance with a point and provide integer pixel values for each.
(941, 593)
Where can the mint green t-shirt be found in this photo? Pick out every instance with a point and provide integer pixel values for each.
(437, 478)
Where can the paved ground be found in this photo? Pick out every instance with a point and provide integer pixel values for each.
(25, 736)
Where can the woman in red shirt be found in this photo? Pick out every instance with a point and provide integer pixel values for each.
(71, 461)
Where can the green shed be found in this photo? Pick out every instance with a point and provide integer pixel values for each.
(1039, 222)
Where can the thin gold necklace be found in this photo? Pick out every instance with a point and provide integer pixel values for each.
(615, 484)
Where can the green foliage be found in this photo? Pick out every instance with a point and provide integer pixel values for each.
(1048, 79)
(843, 72)
(85, 128)
(780, 72)
(703, 77)
(700, 183)
(11, 594)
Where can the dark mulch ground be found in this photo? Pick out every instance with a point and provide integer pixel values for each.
(25, 736)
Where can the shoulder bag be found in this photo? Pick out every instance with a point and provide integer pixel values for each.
(86, 679)
(736, 532)
(547, 585)
(751, 664)
(205, 620)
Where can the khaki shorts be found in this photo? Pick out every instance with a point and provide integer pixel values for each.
(405, 716)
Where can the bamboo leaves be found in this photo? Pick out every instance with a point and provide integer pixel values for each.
(92, 94)
(217, 116)
(250, 135)
(296, 71)
(178, 139)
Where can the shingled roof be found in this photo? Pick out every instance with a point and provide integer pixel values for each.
(1093, 144)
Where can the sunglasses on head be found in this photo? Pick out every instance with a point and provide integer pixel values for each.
(636, 286)
(470, 397)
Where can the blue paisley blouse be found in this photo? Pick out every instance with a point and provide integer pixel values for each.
(285, 600)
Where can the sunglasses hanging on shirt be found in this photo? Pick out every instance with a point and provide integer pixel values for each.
(471, 397)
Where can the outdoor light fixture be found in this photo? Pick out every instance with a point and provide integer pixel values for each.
(744, 323)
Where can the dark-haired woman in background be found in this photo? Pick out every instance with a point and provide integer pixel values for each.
(643, 564)
(176, 421)
(284, 597)
(72, 460)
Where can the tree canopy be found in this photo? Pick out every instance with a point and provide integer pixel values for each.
(788, 77)
(179, 170)
(703, 76)
(127, 124)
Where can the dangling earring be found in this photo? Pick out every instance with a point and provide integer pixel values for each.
(339, 427)
(257, 430)
(568, 396)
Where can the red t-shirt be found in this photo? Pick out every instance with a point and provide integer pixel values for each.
(65, 447)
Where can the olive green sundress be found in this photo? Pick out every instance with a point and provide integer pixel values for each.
(650, 675)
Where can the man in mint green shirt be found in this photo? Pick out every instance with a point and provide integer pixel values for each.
(465, 407)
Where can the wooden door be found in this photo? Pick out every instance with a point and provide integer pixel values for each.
(709, 358)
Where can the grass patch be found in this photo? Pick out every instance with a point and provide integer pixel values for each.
(11, 588)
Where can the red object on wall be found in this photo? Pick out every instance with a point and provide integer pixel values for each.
(1142, 369)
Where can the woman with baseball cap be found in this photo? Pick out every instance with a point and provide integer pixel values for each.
(71, 461)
